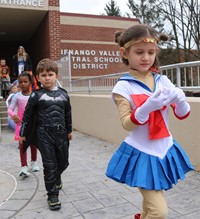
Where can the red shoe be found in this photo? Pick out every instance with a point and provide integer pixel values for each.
(137, 216)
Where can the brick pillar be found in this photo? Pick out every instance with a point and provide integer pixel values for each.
(54, 29)
(54, 3)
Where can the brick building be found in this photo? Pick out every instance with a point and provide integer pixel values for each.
(44, 31)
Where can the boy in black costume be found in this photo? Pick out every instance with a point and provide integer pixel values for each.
(48, 117)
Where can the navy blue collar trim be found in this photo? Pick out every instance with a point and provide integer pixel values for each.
(128, 77)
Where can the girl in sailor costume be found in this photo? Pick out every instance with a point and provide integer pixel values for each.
(148, 158)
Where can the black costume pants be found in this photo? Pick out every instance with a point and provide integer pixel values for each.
(53, 146)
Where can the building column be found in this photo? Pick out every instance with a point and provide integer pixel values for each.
(54, 29)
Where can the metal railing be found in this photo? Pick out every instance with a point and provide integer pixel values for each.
(98, 84)
(184, 75)
(64, 70)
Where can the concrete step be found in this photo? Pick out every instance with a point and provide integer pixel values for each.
(3, 114)
(4, 120)
(2, 102)
(4, 126)
(3, 109)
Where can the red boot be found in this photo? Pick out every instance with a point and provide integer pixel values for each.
(137, 216)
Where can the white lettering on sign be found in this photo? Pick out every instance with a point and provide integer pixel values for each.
(92, 59)
(109, 53)
(106, 59)
(89, 66)
(31, 3)
(80, 59)
(82, 52)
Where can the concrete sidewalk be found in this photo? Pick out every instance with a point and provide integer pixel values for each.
(87, 193)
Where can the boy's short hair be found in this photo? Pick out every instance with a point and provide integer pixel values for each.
(48, 65)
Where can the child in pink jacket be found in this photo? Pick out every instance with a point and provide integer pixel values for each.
(19, 102)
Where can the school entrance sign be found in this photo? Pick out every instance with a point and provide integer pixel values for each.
(25, 4)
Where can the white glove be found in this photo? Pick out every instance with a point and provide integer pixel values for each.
(177, 96)
(155, 102)
(182, 107)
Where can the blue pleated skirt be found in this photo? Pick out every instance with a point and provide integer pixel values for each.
(137, 169)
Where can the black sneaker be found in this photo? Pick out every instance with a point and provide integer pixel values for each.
(54, 203)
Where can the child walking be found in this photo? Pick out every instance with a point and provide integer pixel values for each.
(19, 102)
(51, 105)
(148, 158)
(14, 90)
(5, 78)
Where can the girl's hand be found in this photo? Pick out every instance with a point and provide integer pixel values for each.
(69, 136)
(155, 102)
(175, 95)
(16, 119)
(180, 96)
(22, 139)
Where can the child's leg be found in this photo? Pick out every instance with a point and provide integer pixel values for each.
(3, 93)
(144, 209)
(7, 93)
(49, 160)
(23, 156)
(11, 124)
(54, 152)
(58, 182)
(34, 165)
(33, 152)
(154, 205)
(62, 157)
(62, 152)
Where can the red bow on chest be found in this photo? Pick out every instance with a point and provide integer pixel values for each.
(157, 126)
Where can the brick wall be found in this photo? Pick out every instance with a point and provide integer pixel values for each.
(90, 40)
(101, 52)
(73, 32)
(54, 30)
(94, 59)
(54, 3)
(54, 34)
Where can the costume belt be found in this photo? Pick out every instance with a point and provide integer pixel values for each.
(53, 127)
